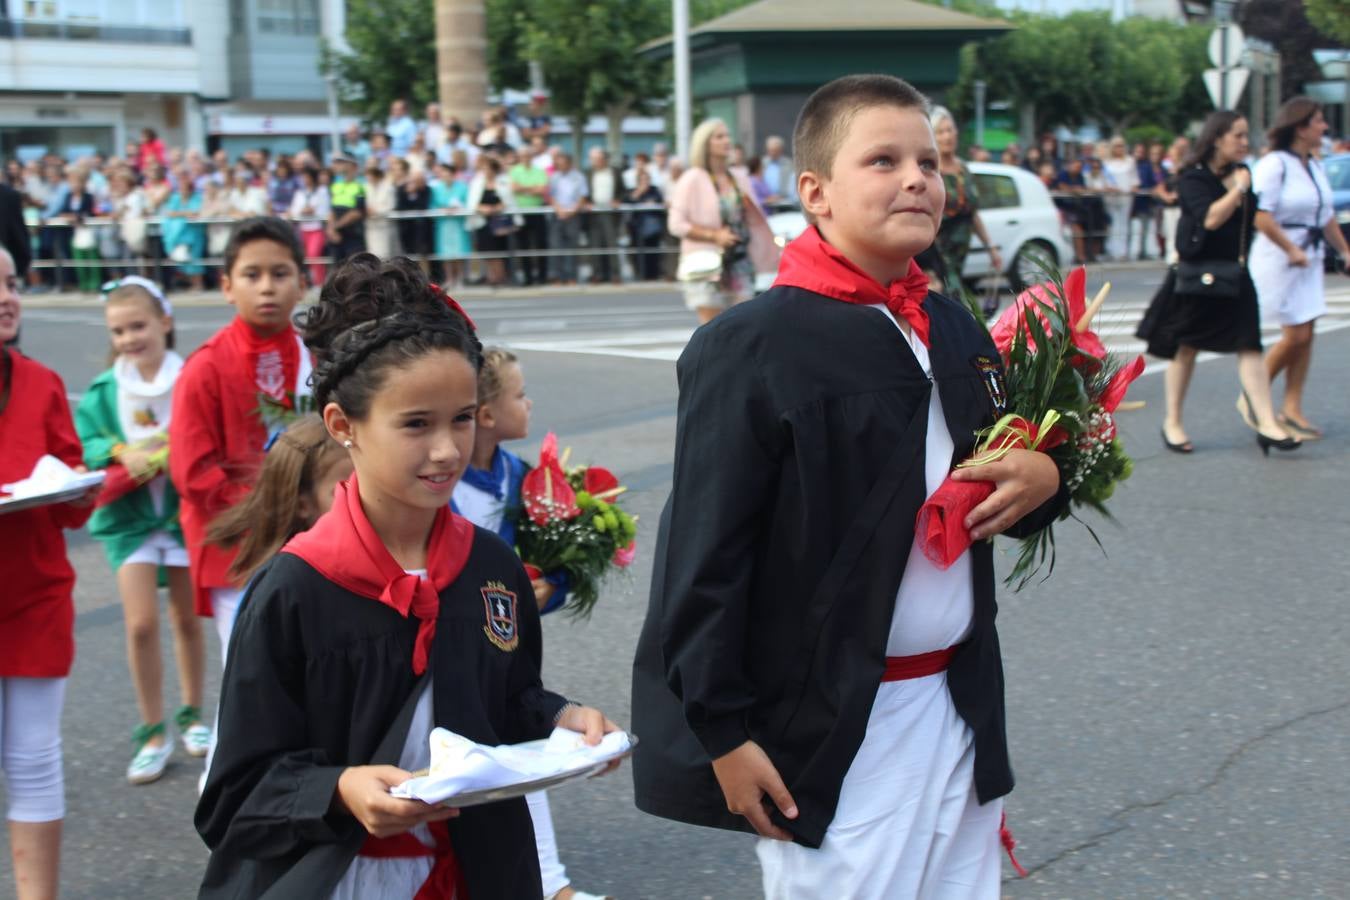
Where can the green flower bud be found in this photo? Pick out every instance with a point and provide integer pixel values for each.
(600, 524)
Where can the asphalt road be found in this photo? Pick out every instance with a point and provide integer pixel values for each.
(1178, 709)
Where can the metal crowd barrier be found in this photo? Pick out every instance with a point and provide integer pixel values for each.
(1090, 209)
(158, 265)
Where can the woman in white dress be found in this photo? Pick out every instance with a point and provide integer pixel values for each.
(381, 198)
(1124, 172)
(1296, 220)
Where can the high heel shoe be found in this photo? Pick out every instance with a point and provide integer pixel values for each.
(1183, 447)
(1306, 432)
(1265, 442)
(1244, 408)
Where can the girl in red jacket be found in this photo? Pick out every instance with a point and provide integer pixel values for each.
(37, 614)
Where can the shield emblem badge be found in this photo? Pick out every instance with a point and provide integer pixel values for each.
(499, 605)
(991, 373)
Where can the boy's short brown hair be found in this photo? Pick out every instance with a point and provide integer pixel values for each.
(824, 120)
(264, 228)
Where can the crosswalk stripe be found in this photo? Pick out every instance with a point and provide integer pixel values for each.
(1115, 325)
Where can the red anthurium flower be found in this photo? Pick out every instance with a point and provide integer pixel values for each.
(1013, 318)
(1120, 383)
(544, 491)
(598, 480)
(624, 556)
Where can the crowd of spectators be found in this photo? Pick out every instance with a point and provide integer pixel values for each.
(1119, 201)
(497, 202)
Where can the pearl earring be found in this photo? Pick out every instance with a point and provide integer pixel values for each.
(347, 444)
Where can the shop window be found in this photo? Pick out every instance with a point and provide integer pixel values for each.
(288, 17)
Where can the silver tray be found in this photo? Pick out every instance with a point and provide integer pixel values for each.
(12, 505)
(520, 789)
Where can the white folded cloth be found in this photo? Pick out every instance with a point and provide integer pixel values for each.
(458, 765)
(50, 476)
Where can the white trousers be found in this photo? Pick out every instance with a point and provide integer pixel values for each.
(1118, 237)
(550, 866)
(30, 747)
(908, 825)
(224, 608)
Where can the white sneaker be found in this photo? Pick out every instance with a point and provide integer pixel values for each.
(196, 740)
(196, 737)
(149, 762)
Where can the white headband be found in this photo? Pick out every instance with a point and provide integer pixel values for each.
(144, 283)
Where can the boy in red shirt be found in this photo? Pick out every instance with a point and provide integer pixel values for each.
(238, 388)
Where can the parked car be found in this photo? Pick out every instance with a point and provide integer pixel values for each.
(1022, 221)
(1338, 173)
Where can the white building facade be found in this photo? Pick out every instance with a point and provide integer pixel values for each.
(85, 76)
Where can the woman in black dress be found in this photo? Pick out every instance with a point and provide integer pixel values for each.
(1217, 208)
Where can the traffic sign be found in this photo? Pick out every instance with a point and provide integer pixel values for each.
(1226, 44)
(1225, 86)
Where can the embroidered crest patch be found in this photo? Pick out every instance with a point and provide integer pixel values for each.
(991, 373)
(500, 606)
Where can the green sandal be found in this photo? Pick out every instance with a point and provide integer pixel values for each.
(196, 736)
(150, 759)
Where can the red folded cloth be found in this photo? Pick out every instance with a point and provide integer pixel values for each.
(940, 528)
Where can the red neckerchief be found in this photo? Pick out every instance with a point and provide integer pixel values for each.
(344, 548)
(812, 264)
(271, 364)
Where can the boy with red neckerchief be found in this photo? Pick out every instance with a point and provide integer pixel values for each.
(805, 673)
(246, 382)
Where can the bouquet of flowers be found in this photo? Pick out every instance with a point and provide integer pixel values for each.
(570, 519)
(1062, 390)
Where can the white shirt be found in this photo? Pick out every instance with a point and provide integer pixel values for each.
(933, 608)
(602, 187)
(1292, 193)
(480, 507)
(1124, 172)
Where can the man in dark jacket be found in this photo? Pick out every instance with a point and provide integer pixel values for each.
(14, 235)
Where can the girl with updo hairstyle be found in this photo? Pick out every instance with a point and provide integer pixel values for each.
(389, 617)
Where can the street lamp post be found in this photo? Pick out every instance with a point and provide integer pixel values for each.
(680, 10)
(334, 136)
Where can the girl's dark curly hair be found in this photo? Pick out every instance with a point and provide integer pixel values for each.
(375, 315)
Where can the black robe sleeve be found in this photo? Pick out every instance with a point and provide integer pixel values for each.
(725, 478)
(1044, 515)
(264, 798)
(531, 708)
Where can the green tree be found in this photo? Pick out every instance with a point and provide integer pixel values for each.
(1083, 67)
(1331, 17)
(1286, 25)
(393, 55)
(588, 52)
(508, 64)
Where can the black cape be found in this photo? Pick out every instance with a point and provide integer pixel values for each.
(799, 470)
(315, 680)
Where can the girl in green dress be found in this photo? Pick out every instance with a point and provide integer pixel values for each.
(122, 421)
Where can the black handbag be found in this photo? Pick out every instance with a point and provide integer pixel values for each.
(1217, 279)
(1214, 278)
